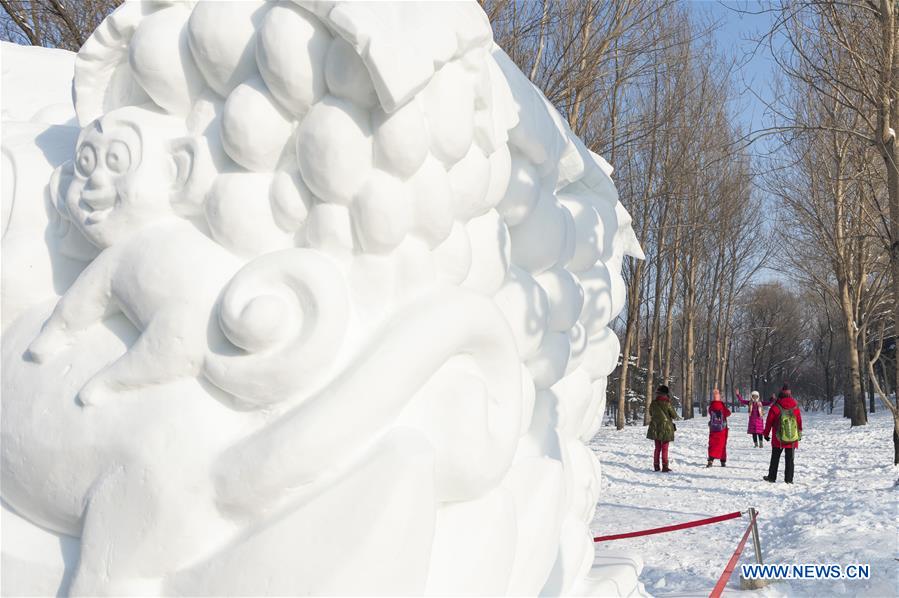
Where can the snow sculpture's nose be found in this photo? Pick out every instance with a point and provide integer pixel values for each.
(99, 192)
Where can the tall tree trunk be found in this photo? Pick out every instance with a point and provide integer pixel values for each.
(650, 365)
(888, 123)
(541, 42)
(893, 188)
(575, 120)
(621, 414)
(690, 341)
(725, 360)
(856, 398)
(654, 327)
(669, 309)
(637, 355)
(863, 377)
(683, 368)
(868, 383)
(630, 328)
(727, 329)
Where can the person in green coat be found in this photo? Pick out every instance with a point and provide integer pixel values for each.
(661, 426)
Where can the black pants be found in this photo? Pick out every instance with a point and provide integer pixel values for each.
(759, 438)
(775, 463)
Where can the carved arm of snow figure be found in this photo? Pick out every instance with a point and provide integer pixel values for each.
(86, 302)
(369, 396)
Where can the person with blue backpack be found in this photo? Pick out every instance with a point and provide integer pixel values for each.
(783, 429)
(718, 414)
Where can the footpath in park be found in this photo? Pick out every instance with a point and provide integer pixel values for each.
(842, 508)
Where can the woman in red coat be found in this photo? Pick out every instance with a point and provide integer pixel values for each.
(718, 414)
(783, 440)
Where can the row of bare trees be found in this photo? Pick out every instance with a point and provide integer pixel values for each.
(837, 180)
(644, 85)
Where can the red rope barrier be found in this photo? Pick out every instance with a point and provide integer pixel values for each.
(731, 564)
(669, 528)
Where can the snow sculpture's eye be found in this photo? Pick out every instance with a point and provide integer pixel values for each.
(118, 157)
(86, 161)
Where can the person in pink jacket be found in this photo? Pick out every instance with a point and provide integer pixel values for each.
(756, 416)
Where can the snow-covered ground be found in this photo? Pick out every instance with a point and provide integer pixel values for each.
(841, 509)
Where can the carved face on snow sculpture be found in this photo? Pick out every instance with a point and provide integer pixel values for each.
(128, 165)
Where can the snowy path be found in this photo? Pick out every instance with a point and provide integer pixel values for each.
(841, 509)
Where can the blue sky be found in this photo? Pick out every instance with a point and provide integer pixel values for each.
(735, 36)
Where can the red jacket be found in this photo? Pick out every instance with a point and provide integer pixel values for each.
(718, 440)
(719, 406)
(773, 422)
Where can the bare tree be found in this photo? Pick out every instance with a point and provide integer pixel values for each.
(846, 53)
(53, 23)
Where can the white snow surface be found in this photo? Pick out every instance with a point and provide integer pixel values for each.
(37, 84)
(842, 507)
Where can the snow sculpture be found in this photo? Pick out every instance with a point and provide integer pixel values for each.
(313, 299)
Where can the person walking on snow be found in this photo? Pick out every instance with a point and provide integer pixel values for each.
(756, 416)
(661, 426)
(785, 421)
(718, 414)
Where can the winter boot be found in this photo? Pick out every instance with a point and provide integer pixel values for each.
(767, 479)
(655, 466)
(723, 464)
(709, 464)
(665, 467)
(755, 443)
